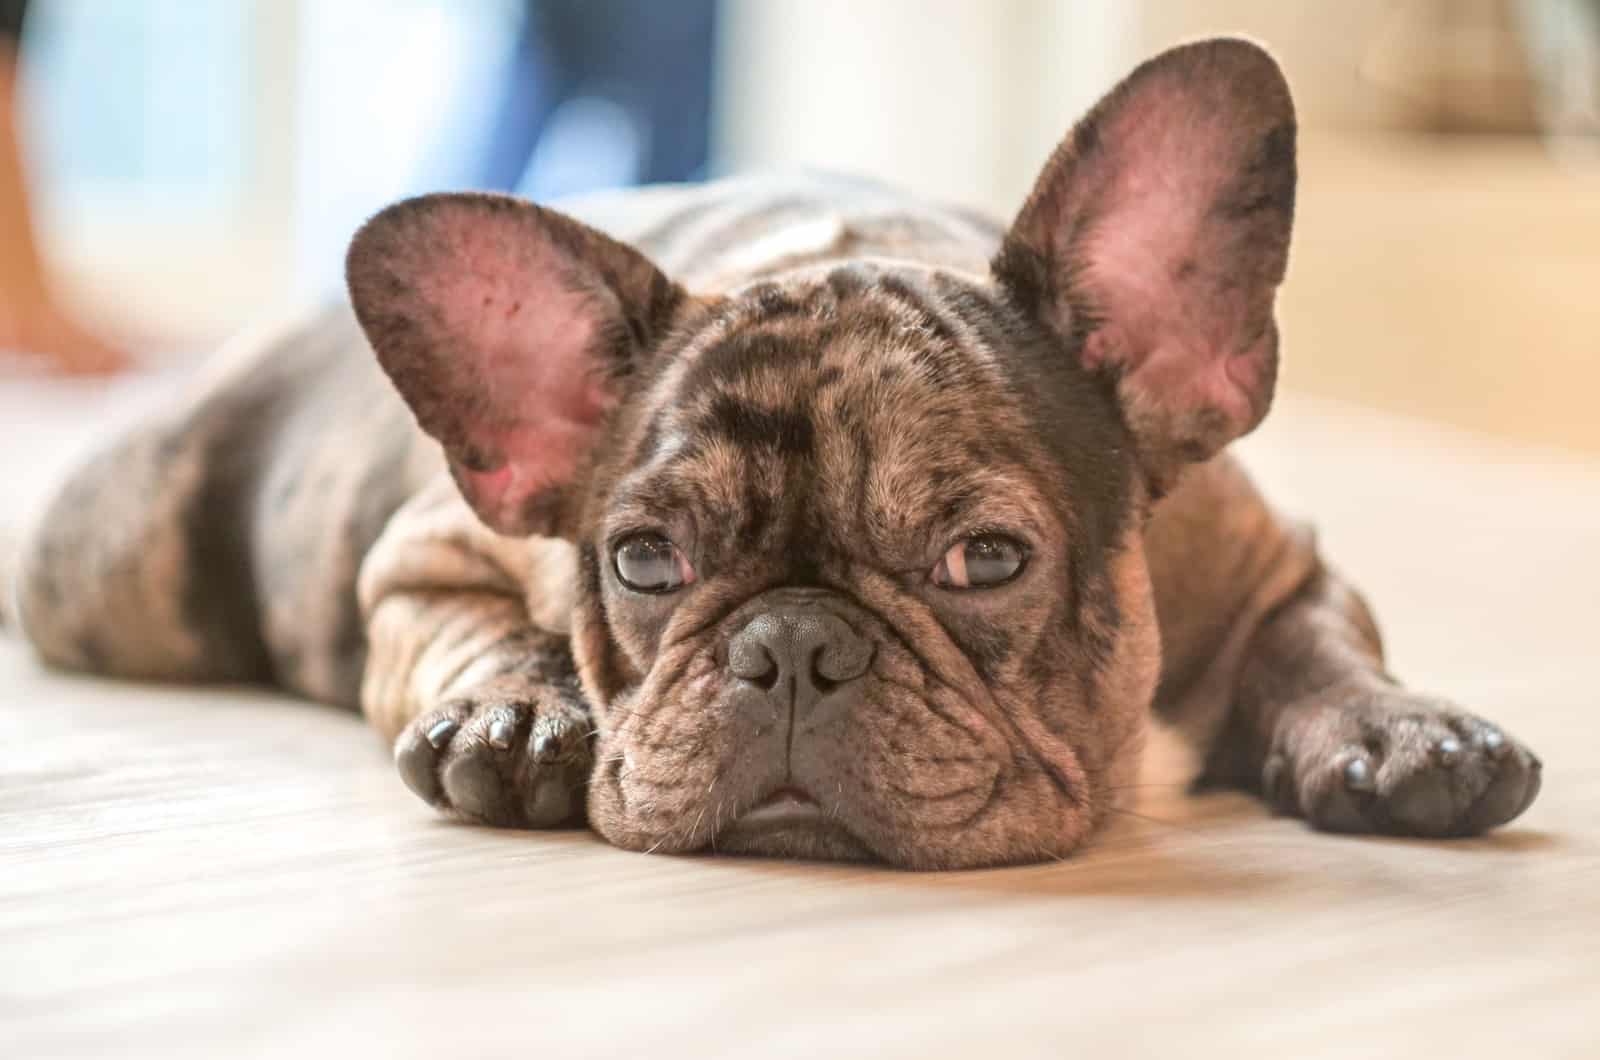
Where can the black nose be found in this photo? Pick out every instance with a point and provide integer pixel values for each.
(798, 655)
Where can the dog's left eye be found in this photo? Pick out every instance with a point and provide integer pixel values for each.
(649, 563)
(980, 562)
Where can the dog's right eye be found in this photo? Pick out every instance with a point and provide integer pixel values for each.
(649, 563)
(980, 562)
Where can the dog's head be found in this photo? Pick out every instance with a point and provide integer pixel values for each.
(860, 555)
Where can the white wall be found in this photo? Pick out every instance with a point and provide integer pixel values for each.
(954, 98)
(964, 99)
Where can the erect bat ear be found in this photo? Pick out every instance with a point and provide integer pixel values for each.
(508, 329)
(1155, 239)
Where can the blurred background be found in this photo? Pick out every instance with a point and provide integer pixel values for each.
(198, 164)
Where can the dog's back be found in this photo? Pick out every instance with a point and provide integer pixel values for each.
(189, 548)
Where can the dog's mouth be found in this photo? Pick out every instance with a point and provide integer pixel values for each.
(789, 822)
(785, 806)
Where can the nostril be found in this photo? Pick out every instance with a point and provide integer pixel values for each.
(838, 663)
(750, 659)
(816, 653)
(821, 680)
(767, 679)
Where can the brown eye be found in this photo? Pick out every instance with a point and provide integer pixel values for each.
(649, 563)
(980, 562)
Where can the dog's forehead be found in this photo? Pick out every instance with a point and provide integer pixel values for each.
(841, 347)
(866, 399)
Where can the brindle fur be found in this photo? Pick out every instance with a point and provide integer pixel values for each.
(846, 383)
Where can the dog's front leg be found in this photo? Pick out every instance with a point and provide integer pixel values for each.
(1273, 668)
(1322, 731)
(484, 710)
(482, 705)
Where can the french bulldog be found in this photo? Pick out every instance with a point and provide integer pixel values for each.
(787, 517)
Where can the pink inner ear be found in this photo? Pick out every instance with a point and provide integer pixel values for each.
(535, 460)
(1181, 377)
(505, 327)
(1186, 293)
(526, 344)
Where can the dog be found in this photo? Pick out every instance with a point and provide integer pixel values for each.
(788, 517)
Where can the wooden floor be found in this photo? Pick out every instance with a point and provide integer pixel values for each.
(210, 873)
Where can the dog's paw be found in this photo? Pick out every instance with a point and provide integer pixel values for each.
(1397, 764)
(510, 752)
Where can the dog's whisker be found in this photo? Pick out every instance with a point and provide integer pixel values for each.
(1148, 818)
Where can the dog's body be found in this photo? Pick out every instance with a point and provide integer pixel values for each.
(879, 544)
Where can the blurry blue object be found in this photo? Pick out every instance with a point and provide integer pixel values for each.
(604, 93)
(136, 107)
(269, 131)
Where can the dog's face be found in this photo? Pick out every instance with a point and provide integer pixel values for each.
(861, 572)
(858, 581)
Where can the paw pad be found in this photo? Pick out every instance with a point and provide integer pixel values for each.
(1401, 766)
(516, 756)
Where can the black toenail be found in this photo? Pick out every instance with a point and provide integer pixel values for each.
(500, 733)
(440, 732)
(1358, 774)
(1449, 749)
